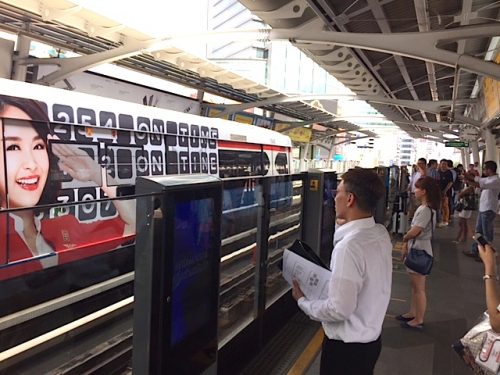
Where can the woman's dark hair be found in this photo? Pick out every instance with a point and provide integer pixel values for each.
(432, 191)
(37, 111)
(366, 186)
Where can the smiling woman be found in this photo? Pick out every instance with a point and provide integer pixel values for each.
(26, 182)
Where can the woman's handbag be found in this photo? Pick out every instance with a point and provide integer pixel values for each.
(480, 348)
(459, 206)
(470, 202)
(419, 260)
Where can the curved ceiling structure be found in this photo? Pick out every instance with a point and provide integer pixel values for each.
(409, 60)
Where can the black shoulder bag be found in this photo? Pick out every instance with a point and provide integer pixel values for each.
(419, 260)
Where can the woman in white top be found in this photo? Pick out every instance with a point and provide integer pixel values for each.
(419, 235)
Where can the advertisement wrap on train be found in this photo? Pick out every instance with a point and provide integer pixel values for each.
(64, 154)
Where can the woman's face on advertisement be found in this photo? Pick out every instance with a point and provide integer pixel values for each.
(26, 158)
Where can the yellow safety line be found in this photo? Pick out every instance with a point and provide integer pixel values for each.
(308, 355)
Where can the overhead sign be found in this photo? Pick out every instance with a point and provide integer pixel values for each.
(302, 135)
(491, 95)
(456, 144)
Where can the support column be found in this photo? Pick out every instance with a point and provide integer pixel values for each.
(466, 157)
(475, 152)
(491, 146)
(199, 97)
(23, 51)
(303, 155)
(331, 152)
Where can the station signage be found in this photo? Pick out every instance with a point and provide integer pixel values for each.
(456, 144)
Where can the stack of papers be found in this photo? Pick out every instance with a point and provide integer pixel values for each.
(312, 278)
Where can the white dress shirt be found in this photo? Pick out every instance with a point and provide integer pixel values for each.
(489, 195)
(360, 286)
(414, 178)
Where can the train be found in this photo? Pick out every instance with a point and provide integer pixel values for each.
(69, 164)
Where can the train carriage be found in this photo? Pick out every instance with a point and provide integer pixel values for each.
(65, 153)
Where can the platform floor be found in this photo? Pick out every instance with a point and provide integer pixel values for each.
(455, 293)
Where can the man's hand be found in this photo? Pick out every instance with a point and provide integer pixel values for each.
(296, 291)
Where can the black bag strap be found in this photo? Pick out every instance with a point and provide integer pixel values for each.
(432, 222)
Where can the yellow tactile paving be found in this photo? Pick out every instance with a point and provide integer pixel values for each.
(308, 355)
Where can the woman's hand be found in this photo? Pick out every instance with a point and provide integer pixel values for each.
(487, 254)
(77, 163)
(404, 251)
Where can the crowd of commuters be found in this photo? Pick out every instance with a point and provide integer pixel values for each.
(361, 263)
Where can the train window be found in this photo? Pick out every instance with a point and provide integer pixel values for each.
(281, 163)
(237, 163)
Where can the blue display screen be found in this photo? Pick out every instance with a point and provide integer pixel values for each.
(193, 250)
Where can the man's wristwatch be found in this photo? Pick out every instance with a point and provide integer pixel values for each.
(486, 277)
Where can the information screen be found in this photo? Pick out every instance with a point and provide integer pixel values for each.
(193, 306)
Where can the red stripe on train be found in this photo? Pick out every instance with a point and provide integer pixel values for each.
(239, 145)
(250, 146)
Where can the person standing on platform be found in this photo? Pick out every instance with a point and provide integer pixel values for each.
(488, 203)
(472, 170)
(421, 172)
(445, 184)
(360, 285)
(432, 169)
(419, 236)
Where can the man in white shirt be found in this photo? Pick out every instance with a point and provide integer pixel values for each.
(488, 204)
(360, 285)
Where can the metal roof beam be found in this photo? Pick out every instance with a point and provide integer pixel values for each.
(381, 18)
(422, 46)
(73, 65)
(424, 26)
(424, 105)
(429, 125)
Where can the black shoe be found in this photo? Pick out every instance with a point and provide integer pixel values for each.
(402, 318)
(470, 254)
(418, 327)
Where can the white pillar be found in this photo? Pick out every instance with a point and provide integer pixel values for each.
(466, 158)
(199, 97)
(491, 146)
(303, 155)
(23, 50)
(332, 150)
(475, 152)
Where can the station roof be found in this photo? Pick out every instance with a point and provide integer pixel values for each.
(63, 24)
(422, 78)
(427, 50)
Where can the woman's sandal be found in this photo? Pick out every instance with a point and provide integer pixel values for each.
(418, 327)
(403, 318)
